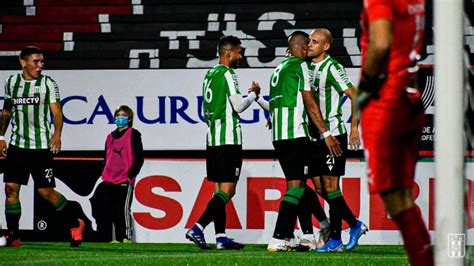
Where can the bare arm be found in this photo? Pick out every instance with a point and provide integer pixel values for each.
(315, 114)
(354, 138)
(380, 42)
(313, 111)
(55, 141)
(376, 58)
(4, 122)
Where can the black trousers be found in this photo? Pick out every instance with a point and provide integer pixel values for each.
(112, 207)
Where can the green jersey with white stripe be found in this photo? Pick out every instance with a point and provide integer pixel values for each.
(286, 101)
(223, 122)
(31, 123)
(328, 81)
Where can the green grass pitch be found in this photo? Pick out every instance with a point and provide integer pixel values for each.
(49, 253)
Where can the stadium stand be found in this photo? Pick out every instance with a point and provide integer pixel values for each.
(142, 34)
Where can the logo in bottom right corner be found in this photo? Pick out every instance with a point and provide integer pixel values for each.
(456, 246)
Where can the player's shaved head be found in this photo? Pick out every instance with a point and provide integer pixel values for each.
(325, 32)
(296, 40)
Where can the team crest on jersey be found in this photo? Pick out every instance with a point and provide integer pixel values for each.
(26, 100)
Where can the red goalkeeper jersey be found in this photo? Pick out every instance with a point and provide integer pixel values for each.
(407, 18)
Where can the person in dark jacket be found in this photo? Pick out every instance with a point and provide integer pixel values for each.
(123, 161)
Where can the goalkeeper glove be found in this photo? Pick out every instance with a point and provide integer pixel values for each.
(369, 89)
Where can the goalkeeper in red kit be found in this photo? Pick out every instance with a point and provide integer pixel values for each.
(392, 113)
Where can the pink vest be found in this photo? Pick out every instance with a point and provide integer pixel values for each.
(119, 159)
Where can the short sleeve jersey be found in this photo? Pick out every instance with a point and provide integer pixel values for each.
(329, 80)
(31, 123)
(407, 18)
(289, 118)
(223, 122)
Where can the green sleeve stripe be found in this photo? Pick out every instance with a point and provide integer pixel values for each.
(53, 89)
(342, 80)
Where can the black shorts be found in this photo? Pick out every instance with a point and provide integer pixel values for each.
(20, 163)
(293, 156)
(223, 163)
(321, 161)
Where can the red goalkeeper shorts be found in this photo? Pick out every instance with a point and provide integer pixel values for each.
(391, 129)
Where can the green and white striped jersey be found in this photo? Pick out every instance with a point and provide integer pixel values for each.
(286, 102)
(223, 122)
(328, 81)
(31, 123)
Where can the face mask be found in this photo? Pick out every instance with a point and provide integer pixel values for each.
(121, 121)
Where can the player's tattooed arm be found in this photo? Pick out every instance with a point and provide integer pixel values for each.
(315, 114)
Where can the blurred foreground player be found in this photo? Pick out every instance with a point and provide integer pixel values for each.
(391, 40)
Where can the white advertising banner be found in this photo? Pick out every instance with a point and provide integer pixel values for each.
(171, 194)
(168, 203)
(167, 106)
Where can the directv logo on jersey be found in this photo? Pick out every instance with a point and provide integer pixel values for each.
(26, 100)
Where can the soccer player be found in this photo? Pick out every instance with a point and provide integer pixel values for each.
(392, 113)
(123, 161)
(30, 99)
(222, 103)
(330, 82)
(289, 95)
